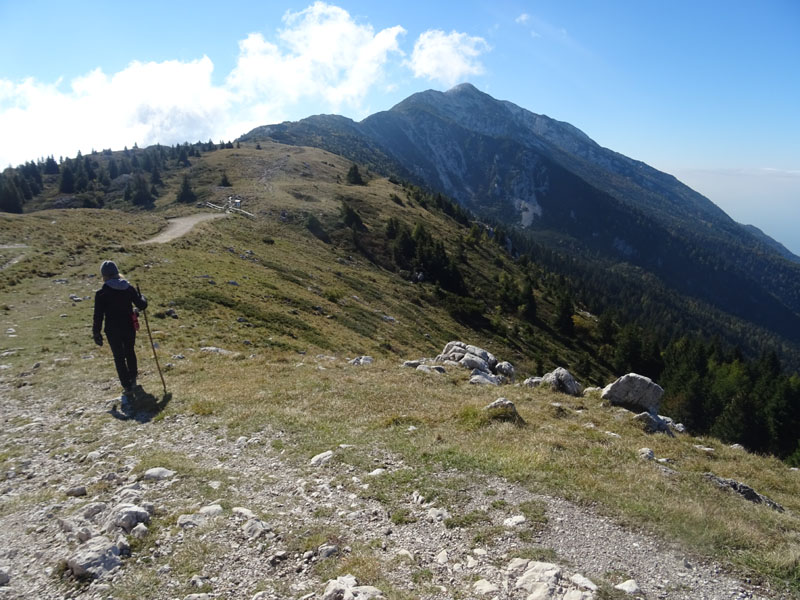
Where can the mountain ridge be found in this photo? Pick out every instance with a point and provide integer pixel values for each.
(548, 178)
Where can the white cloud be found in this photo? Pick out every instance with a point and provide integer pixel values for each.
(322, 54)
(447, 58)
(522, 19)
(327, 56)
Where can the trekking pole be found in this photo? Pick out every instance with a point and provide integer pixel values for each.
(150, 335)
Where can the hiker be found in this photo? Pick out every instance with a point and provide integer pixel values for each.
(114, 303)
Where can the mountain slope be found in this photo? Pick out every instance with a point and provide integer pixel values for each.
(547, 177)
(291, 297)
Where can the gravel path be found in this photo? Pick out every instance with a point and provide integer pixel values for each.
(181, 226)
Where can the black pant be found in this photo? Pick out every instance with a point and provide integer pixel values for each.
(122, 346)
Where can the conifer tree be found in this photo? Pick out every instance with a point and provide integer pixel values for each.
(225, 182)
(50, 166)
(186, 194)
(354, 177)
(67, 183)
(10, 196)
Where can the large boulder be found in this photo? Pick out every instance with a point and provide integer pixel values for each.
(634, 391)
(562, 381)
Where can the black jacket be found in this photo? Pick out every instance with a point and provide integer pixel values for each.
(114, 303)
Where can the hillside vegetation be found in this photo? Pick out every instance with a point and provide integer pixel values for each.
(330, 267)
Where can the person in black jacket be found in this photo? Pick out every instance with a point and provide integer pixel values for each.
(114, 304)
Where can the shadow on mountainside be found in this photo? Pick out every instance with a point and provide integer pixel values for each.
(143, 408)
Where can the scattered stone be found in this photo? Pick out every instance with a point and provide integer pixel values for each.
(254, 528)
(503, 409)
(646, 454)
(94, 509)
(347, 588)
(704, 449)
(322, 458)
(157, 474)
(94, 559)
(636, 391)
(562, 381)
(484, 587)
(212, 510)
(403, 553)
(438, 514)
(216, 350)
(442, 558)
(376, 472)
(629, 587)
(5, 578)
(187, 521)
(744, 490)
(126, 517)
(79, 490)
(583, 582)
(327, 550)
(653, 423)
(245, 513)
(533, 382)
(484, 379)
(511, 522)
(592, 391)
(139, 531)
(412, 364)
(361, 361)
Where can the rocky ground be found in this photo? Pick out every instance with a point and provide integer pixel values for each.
(246, 521)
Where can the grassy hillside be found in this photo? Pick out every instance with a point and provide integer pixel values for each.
(281, 288)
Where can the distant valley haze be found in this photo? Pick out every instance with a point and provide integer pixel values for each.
(701, 91)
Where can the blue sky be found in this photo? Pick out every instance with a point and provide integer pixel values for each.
(708, 91)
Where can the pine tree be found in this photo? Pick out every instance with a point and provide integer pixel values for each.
(10, 196)
(354, 177)
(50, 166)
(141, 191)
(186, 194)
(67, 183)
(155, 176)
(564, 311)
(225, 182)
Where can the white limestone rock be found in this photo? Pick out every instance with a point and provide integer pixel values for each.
(95, 559)
(158, 474)
(562, 381)
(532, 382)
(483, 587)
(321, 458)
(636, 391)
(506, 369)
(126, 517)
(629, 587)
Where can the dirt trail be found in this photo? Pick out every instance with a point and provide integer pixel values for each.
(181, 226)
